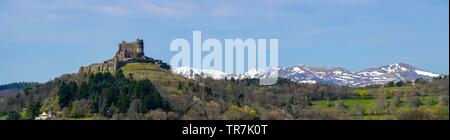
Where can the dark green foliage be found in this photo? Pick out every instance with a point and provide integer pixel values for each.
(33, 109)
(399, 83)
(66, 93)
(18, 85)
(123, 100)
(149, 96)
(420, 81)
(13, 116)
(83, 91)
(390, 84)
(112, 94)
(180, 85)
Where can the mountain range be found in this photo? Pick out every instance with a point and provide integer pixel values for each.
(311, 74)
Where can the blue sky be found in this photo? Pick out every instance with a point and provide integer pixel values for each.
(40, 40)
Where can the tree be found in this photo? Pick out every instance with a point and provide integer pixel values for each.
(119, 75)
(33, 109)
(180, 85)
(408, 82)
(390, 84)
(359, 109)
(81, 108)
(432, 100)
(340, 104)
(83, 91)
(241, 97)
(13, 116)
(415, 114)
(414, 101)
(232, 80)
(399, 83)
(395, 102)
(443, 100)
(149, 97)
(123, 100)
(420, 81)
(381, 102)
(66, 93)
(159, 114)
(133, 113)
(329, 104)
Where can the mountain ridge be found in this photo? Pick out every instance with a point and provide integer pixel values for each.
(303, 73)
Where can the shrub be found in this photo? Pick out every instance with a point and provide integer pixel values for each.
(415, 114)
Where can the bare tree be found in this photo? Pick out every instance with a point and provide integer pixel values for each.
(381, 103)
(443, 100)
(414, 101)
(133, 113)
(395, 103)
(340, 104)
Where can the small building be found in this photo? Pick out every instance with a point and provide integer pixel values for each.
(46, 116)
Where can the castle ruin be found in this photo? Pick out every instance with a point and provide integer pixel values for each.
(128, 52)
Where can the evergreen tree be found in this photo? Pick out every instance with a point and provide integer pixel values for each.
(399, 83)
(420, 81)
(13, 116)
(66, 93)
(390, 84)
(33, 109)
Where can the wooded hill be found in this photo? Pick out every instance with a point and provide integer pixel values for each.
(145, 91)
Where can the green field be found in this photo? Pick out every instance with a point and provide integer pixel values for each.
(366, 108)
(364, 93)
(3, 117)
(163, 79)
(153, 72)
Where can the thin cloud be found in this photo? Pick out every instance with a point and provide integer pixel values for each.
(338, 2)
(167, 9)
(112, 10)
(318, 2)
(224, 11)
(116, 8)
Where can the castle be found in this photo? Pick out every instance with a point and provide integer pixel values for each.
(128, 52)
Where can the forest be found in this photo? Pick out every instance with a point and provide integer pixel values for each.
(127, 95)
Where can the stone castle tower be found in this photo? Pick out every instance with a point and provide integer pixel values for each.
(128, 52)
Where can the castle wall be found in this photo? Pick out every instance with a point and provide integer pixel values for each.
(129, 52)
(97, 68)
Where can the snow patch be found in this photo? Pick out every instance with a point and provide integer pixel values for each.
(297, 70)
(426, 73)
(307, 81)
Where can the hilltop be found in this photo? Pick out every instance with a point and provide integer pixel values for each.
(128, 52)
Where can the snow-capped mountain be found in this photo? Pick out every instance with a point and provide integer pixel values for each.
(192, 73)
(394, 72)
(310, 74)
(258, 73)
